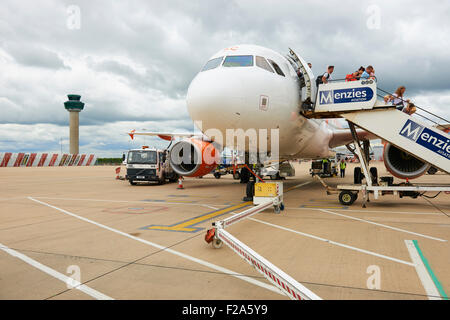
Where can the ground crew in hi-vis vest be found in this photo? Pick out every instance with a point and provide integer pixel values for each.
(342, 166)
(325, 165)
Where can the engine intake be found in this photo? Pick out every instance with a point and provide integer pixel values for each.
(193, 157)
(401, 164)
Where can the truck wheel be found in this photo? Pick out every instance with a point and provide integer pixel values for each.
(374, 174)
(357, 176)
(273, 177)
(347, 198)
(217, 243)
(132, 182)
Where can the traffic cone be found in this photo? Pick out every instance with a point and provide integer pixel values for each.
(117, 173)
(180, 183)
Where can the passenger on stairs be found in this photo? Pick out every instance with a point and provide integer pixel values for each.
(410, 108)
(369, 73)
(327, 75)
(397, 98)
(352, 76)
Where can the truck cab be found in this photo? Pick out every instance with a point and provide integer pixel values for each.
(147, 165)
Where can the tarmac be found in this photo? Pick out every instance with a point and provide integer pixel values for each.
(147, 241)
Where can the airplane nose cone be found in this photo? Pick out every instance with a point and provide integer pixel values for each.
(215, 100)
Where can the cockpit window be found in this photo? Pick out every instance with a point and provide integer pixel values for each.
(213, 63)
(276, 67)
(238, 61)
(262, 63)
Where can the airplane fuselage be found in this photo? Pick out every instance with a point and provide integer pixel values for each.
(252, 87)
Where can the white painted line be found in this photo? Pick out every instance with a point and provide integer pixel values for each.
(125, 201)
(427, 282)
(174, 252)
(76, 285)
(211, 207)
(335, 243)
(297, 186)
(364, 210)
(383, 225)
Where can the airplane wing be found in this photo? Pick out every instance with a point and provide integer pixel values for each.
(166, 135)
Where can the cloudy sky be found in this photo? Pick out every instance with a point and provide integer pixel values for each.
(132, 61)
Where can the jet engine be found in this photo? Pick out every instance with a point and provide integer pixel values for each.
(194, 157)
(401, 164)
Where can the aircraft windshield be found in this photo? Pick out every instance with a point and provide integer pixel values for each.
(238, 61)
(212, 64)
(142, 157)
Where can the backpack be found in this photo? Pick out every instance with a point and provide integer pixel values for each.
(319, 78)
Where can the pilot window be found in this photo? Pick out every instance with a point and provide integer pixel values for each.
(262, 63)
(213, 63)
(238, 61)
(277, 68)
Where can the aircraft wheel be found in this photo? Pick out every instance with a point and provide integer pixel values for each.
(217, 175)
(236, 175)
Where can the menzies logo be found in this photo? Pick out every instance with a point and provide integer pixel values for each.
(426, 138)
(345, 95)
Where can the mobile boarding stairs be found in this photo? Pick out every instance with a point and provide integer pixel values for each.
(356, 101)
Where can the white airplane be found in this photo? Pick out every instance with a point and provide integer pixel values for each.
(252, 87)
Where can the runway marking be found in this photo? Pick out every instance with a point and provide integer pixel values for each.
(309, 206)
(211, 207)
(383, 225)
(297, 186)
(190, 196)
(189, 224)
(168, 250)
(192, 203)
(334, 242)
(55, 274)
(429, 281)
(375, 211)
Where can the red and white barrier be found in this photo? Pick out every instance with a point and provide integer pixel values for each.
(9, 159)
(288, 285)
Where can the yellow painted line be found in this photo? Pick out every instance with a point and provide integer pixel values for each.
(189, 225)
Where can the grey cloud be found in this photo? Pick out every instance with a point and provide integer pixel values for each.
(167, 42)
(34, 56)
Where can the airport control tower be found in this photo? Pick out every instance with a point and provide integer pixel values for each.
(74, 106)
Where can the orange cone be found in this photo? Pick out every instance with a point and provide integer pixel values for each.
(180, 183)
